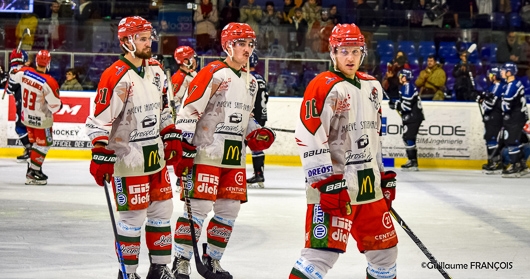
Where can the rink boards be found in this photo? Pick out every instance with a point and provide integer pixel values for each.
(450, 136)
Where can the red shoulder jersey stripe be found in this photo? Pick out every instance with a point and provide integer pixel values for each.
(177, 79)
(314, 98)
(364, 76)
(200, 82)
(110, 77)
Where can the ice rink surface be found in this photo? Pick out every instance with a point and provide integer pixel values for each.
(63, 230)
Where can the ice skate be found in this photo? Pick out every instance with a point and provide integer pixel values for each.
(36, 177)
(181, 268)
(24, 157)
(411, 165)
(214, 265)
(256, 181)
(159, 271)
(129, 275)
(513, 171)
(492, 168)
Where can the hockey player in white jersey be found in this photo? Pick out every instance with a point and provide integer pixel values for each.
(348, 191)
(216, 121)
(186, 58)
(134, 138)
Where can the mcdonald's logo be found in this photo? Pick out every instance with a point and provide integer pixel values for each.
(151, 158)
(366, 179)
(232, 153)
(154, 159)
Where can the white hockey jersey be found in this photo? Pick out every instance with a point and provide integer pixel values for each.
(215, 116)
(180, 81)
(339, 133)
(130, 112)
(40, 96)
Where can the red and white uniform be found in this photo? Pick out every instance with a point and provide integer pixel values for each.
(180, 81)
(129, 115)
(215, 115)
(338, 133)
(40, 97)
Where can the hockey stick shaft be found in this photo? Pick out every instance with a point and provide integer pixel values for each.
(419, 243)
(114, 229)
(170, 93)
(201, 269)
(282, 130)
(28, 33)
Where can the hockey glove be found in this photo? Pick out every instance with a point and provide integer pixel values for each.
(102, 164)
(172, 139)
(189, 151)
(260, 139)
(334, 196)
(388, 186)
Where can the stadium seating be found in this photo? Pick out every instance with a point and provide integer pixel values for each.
(488, 52)
(481, 83)
(473, 57)
(385, 48)
(498, 21)
(408, 48)
(514, 21)
(425, 49)
(448, 52)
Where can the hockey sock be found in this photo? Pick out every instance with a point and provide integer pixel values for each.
(258, 162)
(412, 153)
(183, 245)
(158, 240)
(129, 233)
(38, 154)
(219, 231)
(304, 269)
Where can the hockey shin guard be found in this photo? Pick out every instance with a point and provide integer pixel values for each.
(219, 232)
(258, 162)
(183, 243)
(37, 156)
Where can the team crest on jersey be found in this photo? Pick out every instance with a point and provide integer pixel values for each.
(330, 80)
(374, 98)
(252, 87)
(119, 70)
(156, 81)
(213, 67)
(343, 105)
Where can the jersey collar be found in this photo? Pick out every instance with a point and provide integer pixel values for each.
(141, 72)
(237, 72)
(354, 81)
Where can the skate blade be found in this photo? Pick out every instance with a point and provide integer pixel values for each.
(22, 160)
(410, 169)
(258, 185)
(30, 181)
(488, 172)
(511, 175)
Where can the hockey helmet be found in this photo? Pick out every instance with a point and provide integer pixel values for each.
(346, 35)
(130, 26)
(182, 53)
(495, 72)
(18, 57)
(253, 60)
(510, 67)
(43, 58)
(235, 31)
(405, 73)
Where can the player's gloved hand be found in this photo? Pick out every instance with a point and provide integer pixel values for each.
(172, 139)
(189, 151)
(388, 186)
(3, 77)
(260, 139)
(334, 196)
(102, 164)
(480, 96)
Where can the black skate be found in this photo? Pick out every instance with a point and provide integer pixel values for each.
(181, 268)
(159, 271)
(513, 171)
(36, 177)
(214, 265)
(492, 168)
(24, 157)
(129, 275)
(256, 181)
(411, 165)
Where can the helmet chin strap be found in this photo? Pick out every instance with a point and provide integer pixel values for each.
(232, 49)
(133, 45)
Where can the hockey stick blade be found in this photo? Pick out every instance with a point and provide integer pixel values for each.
(471, 48)
(201, 269)
(420, 245)
(116, 241)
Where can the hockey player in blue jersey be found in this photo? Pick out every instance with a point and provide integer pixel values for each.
(490, 103)
(515, 115)
(260, 115)
(409, 106)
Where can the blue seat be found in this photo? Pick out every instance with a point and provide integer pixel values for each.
(385, 48)
(488, 52)
(516, 5)
(448, 68)
(481, 83)
(414, 67)
(498, 21)
(425, 49)
(514, 20)
(449, 85)
(408, 48)
(448, 51)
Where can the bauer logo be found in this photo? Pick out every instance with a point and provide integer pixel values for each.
(320, 231)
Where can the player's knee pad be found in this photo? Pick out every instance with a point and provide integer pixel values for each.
(226, 209)
(314, 263)
(381, 263)
(21, 131)
(130, 223)
(410, 143)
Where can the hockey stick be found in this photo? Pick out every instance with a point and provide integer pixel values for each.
(170, 93)
(469, 51)
(419, 243)
(27, 32)
(201, 269)
(282, 130)
(113, 221)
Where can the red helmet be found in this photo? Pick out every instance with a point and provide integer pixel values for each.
(234, 31)
(132, 25)
(43, 58)
(18, 57)
(182, 53)
(346, 35)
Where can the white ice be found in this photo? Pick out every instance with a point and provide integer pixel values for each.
(63, 229)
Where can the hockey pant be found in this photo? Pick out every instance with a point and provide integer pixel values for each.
(218, 231)
(315, 263)
(157, 233)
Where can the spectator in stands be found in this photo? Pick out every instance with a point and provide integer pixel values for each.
(71, 83)
(311, 11)
(509, 50)
(483, 18)
(297, 32)
(418, 11)
(229, 13)
(463, 72)
(463, 12)
(251, 14)
(431, 81)
(167, 40)
(434, 13)
(86, 11)
(367, 19)
(206, 19)
(270, 22)
(288, 11)
(55, 29)
(391, 83)
(334, 15)
(320, 32)
(525, 56)
(29, 21)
